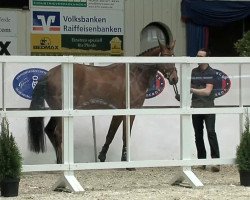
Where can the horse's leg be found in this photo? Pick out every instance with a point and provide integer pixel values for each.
(58, 141)
(54, 133)
(115, 123)
(124, 137)
(50, 128)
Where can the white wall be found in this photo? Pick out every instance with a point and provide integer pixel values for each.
(138, 14)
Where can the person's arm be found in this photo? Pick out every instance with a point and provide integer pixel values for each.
(203, 91)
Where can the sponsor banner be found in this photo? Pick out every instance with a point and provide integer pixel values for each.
(8, 46)
(106, 45)
(96, 4)
(89, 22)
(8, 23)
(69, 21)
(44, 44)
(87, 33)
(76, 45)
(157, 85)
(222, 83)
(106, 4)
(84, 31)
(60, 3)
(46, 22)
(25, 81)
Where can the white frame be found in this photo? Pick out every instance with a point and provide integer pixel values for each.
(68, 167)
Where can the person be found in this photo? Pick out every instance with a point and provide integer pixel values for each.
(202, 83)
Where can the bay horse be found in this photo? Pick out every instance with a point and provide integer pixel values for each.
(95, 87)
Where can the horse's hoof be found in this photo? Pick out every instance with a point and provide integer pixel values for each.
(102, 157)
(130, 169)
(124, 154)
(124, 159)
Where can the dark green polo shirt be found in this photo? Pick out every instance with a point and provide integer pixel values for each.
(199, 79)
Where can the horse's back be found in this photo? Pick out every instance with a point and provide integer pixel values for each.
(99, 87)
(93, 86)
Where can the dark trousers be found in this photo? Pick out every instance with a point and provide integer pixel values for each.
(198, 121)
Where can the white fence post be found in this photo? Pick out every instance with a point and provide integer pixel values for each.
(68, 179)
(186, 130)
(127, 119)
(3, 69)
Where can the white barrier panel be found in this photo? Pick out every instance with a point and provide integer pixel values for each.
(183, 156)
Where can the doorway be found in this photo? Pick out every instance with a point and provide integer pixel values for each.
(151, 33)
(222, 39)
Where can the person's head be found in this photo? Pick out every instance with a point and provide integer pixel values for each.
(204, 52)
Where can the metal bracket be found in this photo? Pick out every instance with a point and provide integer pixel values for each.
(188, 175)
(68, 183)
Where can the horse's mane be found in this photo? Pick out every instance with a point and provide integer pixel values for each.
(148, 50)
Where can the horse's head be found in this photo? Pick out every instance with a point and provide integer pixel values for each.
(168, 69)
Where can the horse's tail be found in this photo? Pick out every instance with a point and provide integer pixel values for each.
(36, 138)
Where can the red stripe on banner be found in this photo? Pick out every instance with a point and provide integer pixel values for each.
(223, 84)
(158, 83)
(54, 28)
(37, 28)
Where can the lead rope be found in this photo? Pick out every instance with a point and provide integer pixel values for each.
(177, 95)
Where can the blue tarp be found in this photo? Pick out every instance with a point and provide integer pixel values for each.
(196, 38)
(214, 13)
(199, 14)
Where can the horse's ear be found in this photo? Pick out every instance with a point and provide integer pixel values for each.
(160, 44)
(172, 45)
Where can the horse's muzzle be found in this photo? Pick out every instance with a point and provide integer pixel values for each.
(173, 80)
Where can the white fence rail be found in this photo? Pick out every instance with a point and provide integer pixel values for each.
(68, 113)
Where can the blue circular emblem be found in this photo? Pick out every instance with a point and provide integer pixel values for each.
(25, 81)
(222, 83)
(157, 85)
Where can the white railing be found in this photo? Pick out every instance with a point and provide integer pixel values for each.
(68, 113)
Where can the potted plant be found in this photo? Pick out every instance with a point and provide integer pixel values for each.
(10, 162)
(242, 46)
(243, 154)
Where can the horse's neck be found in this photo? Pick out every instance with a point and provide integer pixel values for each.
(142, 74)
(146, 71)
(151, 52)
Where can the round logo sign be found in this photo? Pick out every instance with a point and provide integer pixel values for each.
(157, 85)
(222, 83)
(25, 81)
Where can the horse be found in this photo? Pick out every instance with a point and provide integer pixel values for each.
(109, 91)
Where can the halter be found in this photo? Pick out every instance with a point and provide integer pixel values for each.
(168, 74)
(177, 95)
